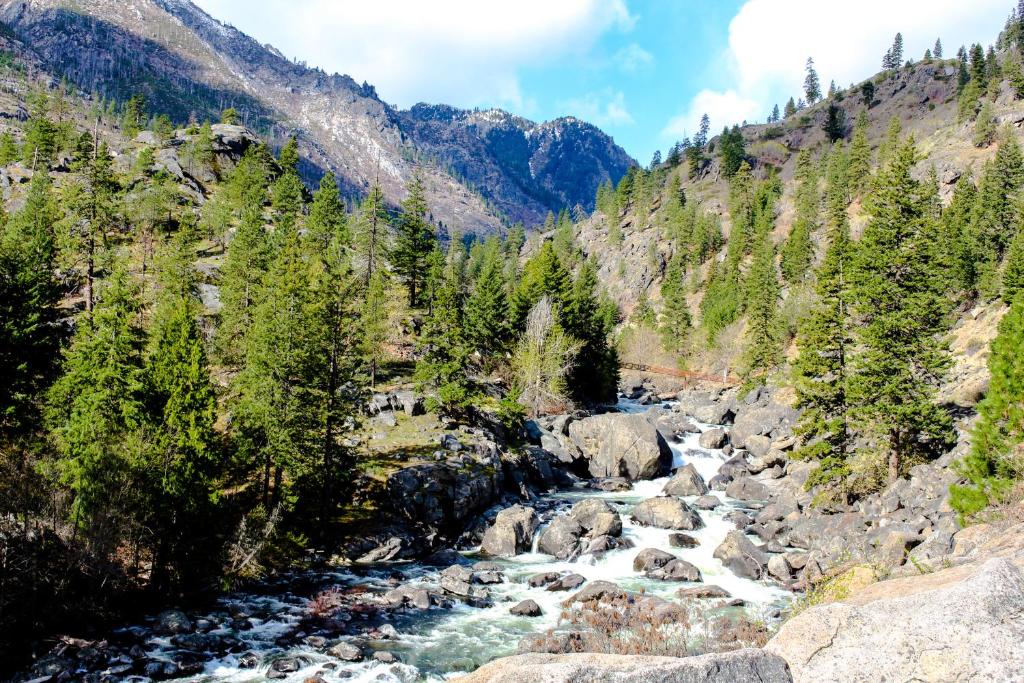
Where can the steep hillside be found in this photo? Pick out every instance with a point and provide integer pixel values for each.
(634, 248)
(189, 65)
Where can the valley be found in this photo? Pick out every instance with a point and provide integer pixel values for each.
(301, 385)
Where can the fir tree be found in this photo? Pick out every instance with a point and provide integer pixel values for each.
(812, 86)
(286, 192)
(835, 123)
(487, 312)
(860, 155)
(443, 367)
(40, 134)
(959, 235)
(763, 336)
(9, 152)
(29, 294)
(799, 249)
(543, 275)
(675, 319)
(326, 222)
(731, 150)
(371, 236)
(937, 50)
(247, 258)
(867, 93)
(790, 108)
(96, 410)
(594, 376)
(984, 126)
(821, 369)
(995, 461)
(902, 307)
(415, 240)
(775, 116)
(229, 117)
(1013, 271)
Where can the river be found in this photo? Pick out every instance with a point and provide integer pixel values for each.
(433, 644)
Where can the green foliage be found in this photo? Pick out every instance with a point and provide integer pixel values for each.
(764, 333)
(835, 122)
(415, 240)
(860, 155)
(40, 134)
(29, 292)
(443, 367)
(230, 117)
(901, 303)
(133, 116)
(1013, 272)
(996, 460)
(542, 359)
(958, 233)
(731, 150)
(675, 318)
(9, 152)
(985, 126)
(798, 250)
(487, 310)
(824, 338)
(867, 93)
(96, 411)
(812, 86)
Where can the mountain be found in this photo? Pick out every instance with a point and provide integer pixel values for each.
(482, 169)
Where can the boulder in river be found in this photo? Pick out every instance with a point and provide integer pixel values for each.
(739, 554)
(686, 482)
(746, 489)
(703, 592)
(567, 583)
(676, 570)
(708, 502)
(713, 438)
(651, 558)
(597, 517)
(621, 445)
(346, 652)
(512, 532)
(740, 666)
(561, 538)
(682, 541)
(538, 580)
(526, 608)
(667, 513)
(172, 622)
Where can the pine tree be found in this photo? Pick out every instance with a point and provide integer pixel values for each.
(183, 413)
(959, 234)
(763, 336)
(995, 215)
(775, 116)
(995, 461)
(29, 294)
(326, 222)
(9, 152)
(594, 376)
(937, 50)
(821, 369)
(860, 155)
(799, 249)
(1013, 271)
(96, 410)
(443, 367)
(675, 319)
(902, 308)
(286, 192)
(371, 236)
(731, 150)
(487, 312)
(40, 134)
(247, 258)
(229, 117)
(415, 240)
(867, 94)
(543, 275)
(985, 126)
(812, 86)
(835, 123)
(790, 108)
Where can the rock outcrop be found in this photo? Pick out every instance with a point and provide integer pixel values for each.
(959, 624)
(742, 666)
(512, 532)
(621, 445)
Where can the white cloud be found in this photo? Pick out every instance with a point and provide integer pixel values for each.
(604, 108)
(723, 108)
(770, 41)
(461, 52)
(632, 58)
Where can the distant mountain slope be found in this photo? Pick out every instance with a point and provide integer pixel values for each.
(188, 64)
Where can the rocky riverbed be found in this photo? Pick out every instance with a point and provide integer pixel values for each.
(680, 512)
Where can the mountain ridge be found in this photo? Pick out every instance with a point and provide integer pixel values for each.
(191, 65)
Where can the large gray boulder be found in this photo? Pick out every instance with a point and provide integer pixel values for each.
(965, 623)
(649, 559)
(621, 445)
(512, 532)
(713, 438)
(741, 666)
(561, 538)
(772, 419)
(745, 488)
(739, 554)
(667, 513)
(686, 482)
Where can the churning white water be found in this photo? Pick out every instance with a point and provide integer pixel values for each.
(438, 643)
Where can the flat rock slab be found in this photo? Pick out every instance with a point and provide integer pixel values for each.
(741, 666)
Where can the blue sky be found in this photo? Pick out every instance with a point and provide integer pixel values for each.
(643, 70)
